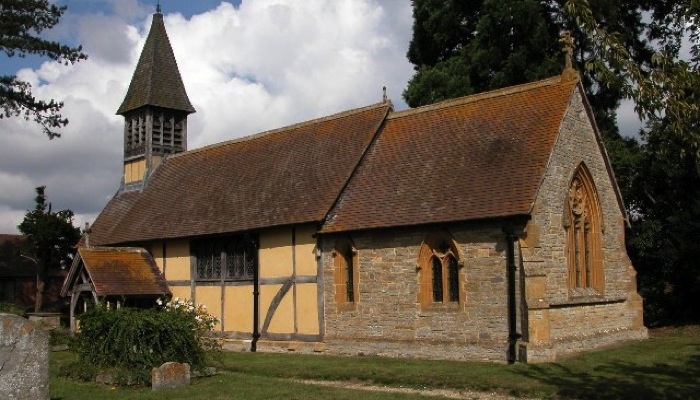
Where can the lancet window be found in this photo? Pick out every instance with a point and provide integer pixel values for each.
(439, 270)
(346, 272)
(583, 226)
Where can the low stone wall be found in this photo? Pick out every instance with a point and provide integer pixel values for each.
(24, 359)
(559, 348)
(478, 351)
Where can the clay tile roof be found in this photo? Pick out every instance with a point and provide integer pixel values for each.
(108, 220)
(286, 176)
(475, 157)
(156, 80)
(119, 271)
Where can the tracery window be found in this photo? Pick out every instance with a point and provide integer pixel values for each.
(583, 225)
(233, 256)
(439, 268)
(346, 272)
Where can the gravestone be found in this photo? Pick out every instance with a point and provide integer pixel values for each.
(170, 375)
(24, 359)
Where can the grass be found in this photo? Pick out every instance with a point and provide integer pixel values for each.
(667, 366)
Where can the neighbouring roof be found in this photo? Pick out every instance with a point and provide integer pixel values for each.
(8, 237)
(117, 271)
(287, 176)
(475, 157)
(13, 265)
(156, 80)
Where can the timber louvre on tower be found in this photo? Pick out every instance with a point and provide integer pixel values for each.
(350, 213)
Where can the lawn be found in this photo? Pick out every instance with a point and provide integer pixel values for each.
(667, 366)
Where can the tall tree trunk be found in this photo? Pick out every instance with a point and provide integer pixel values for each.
(42, 273)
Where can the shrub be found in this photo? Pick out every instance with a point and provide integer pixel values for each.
(138, 340)
(10, 308)
(60, 336)
(199, 314)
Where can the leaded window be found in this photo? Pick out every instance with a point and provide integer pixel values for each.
(453, 277)
(349, 277)
(439, 270)
(230, 258)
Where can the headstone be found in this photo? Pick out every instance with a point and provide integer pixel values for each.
(170, 375)
(52, 320)
(24, 359)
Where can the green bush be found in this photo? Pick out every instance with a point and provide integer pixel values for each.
(138, 340)
(59, 336)
(9, 308)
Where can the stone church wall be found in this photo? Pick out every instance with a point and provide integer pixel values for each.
(387, 318)
(574, 323)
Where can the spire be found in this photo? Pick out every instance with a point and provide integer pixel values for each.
(155, 109)
(156, 80)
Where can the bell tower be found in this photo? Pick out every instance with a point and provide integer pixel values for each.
(155, 109)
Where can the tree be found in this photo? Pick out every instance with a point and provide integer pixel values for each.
(21, 22)
(663, 241)
(664, 90)
(52, 236)
(459, 48)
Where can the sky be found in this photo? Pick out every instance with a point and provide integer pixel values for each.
(247, 66)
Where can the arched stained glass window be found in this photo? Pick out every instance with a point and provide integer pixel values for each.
(584, 233)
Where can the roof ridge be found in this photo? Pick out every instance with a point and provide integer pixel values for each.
(113, 248)
(338, 115)
(554, 80)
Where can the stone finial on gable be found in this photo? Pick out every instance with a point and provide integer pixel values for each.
(568, 41)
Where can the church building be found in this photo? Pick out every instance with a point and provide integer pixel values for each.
(487, 227)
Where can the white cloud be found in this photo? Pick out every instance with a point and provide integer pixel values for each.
(262, 65)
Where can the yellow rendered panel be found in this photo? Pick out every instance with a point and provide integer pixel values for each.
(182, 292)
(238, 309)
(155, 161)
(283, 318)
(177, 266)
(307, 308)
(156, 249)
(305, 248)
(275, 256)
(133, 170)
(210, 296)
(127, 173)
(141, 165)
